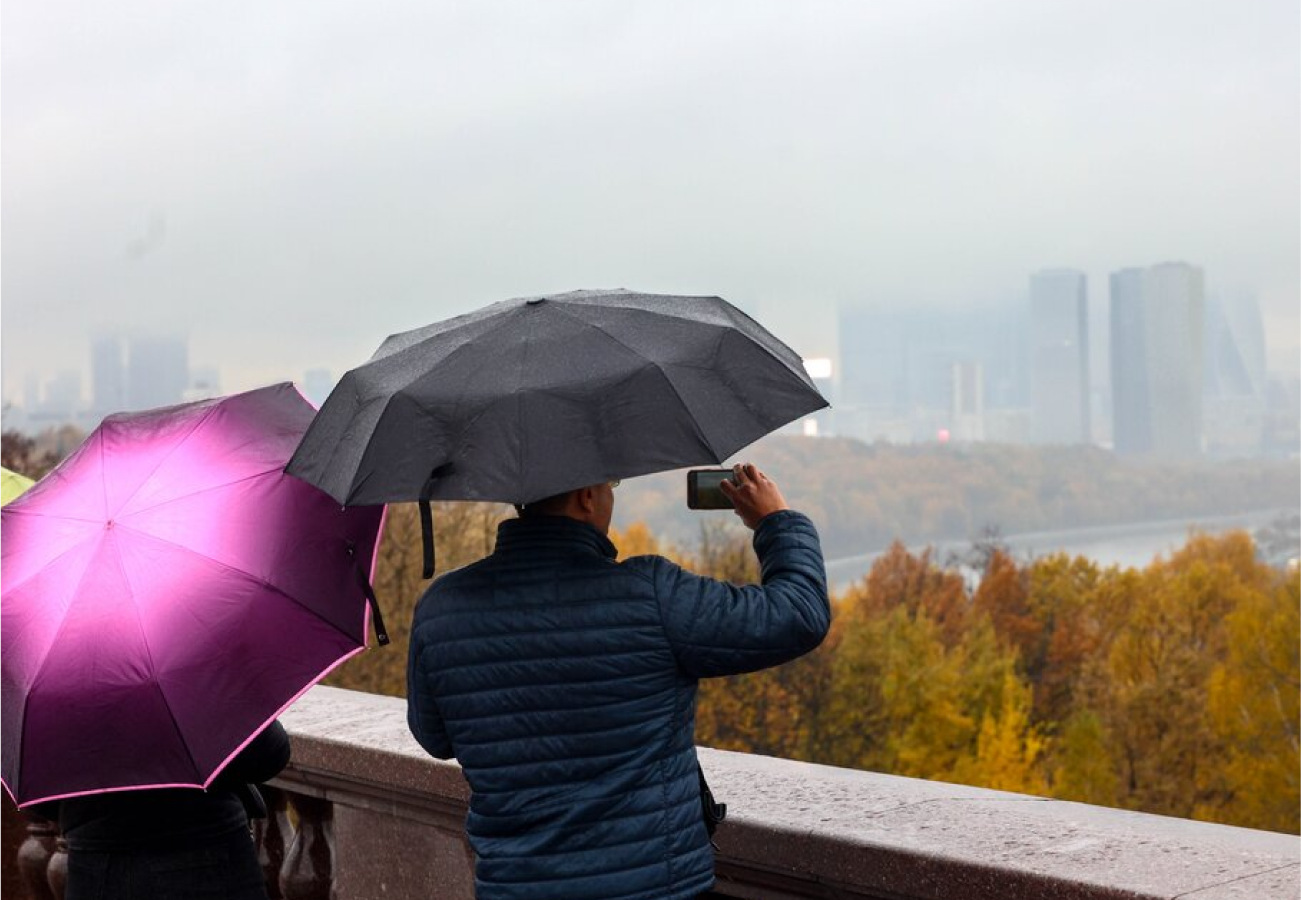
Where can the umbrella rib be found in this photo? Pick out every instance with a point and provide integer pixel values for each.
(63, 624)
(103, 482)
(170, 453)
(10, 586)
(58, 632)
(34, 513)
(153, 670)
(247, 575)
(695, 426)
(215, 487)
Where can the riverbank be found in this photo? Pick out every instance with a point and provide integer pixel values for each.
(1129, 545)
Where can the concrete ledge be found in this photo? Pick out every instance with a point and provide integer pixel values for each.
(794, 830)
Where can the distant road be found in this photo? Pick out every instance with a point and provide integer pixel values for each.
(1133, 544)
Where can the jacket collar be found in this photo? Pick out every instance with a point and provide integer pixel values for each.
(553, 533)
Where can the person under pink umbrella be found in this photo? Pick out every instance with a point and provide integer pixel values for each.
(167, 592)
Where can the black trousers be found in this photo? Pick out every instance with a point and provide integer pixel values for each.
(224, 868)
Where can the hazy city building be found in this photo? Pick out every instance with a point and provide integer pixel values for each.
(62, 399)
(821, 423)
(968, 413)
(107, 376)
(897, 369)
(1235, 379)
(1059, 357)
(1157, 337)
(158, 371)
(1130, 425)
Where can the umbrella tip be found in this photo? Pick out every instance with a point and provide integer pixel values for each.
(534, 301)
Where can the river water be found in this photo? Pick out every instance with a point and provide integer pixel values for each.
(1132, 545)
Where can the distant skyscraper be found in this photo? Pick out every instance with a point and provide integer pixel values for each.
(158, 371)
(897, 363)
(1156, 359)
(1235, 382)
(968, 414)
(62, 397)
(1131, 427)
(107, 376)
(1235, 347)
(1059, 357)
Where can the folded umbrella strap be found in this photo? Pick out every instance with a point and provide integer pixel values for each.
(376, 617)
(427, 536)
(427, 517)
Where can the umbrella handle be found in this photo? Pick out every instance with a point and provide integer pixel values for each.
(376, 617)
(427, 536)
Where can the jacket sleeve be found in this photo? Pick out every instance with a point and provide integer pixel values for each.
(261, 759)
(716, 628)
(423, 718)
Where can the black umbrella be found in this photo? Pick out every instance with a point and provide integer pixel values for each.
(531, 397)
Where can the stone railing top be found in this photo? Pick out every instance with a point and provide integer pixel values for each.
(809, 830)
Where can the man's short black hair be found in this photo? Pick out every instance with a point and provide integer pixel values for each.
(547, 506)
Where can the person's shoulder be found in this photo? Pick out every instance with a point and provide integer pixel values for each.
(650, 567)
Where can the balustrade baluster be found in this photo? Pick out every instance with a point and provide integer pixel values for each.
(34, 856)
(57, 873)
(271, 835)
(308, 872)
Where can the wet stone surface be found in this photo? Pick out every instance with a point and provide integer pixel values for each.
(803, 830)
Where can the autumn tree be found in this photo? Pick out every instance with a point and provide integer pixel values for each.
(1255, 704)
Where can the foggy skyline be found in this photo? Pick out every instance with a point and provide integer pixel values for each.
(290, 184)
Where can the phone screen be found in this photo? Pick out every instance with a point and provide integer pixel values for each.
(703, 491)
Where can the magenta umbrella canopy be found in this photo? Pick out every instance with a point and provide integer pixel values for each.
(167, 592)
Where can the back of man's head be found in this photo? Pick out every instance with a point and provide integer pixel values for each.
(555, 505)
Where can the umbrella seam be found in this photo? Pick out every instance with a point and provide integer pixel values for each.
(10, 587)
(249, 575)
(103, 459)
(162, 462)
(23, 511)
(695, 425)
(153, 669)
(40, 667)
(201, 491)
(353, 486)
(452, 454)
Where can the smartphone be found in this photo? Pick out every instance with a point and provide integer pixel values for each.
(703, 491)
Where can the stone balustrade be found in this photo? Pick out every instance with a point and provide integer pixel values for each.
(362, 814)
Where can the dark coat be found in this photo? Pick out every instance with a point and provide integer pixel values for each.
(170, 843)
(565, 684)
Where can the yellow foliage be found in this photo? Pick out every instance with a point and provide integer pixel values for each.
(1008, 748)
(1173, 689)
(635, 540)
(1255, 706)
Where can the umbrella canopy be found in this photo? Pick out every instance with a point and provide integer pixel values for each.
(167, 592)
(12, 485)
(531, 397)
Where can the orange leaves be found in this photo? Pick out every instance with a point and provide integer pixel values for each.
(1174, 689)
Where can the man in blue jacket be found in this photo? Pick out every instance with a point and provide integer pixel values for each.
(564, 682)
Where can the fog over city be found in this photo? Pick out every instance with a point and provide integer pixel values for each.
(286, 184)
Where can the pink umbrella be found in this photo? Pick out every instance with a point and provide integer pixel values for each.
(167, 592)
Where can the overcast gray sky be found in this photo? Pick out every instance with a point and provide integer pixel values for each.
(290, 182)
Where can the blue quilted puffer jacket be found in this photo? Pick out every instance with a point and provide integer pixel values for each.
(565, 684)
